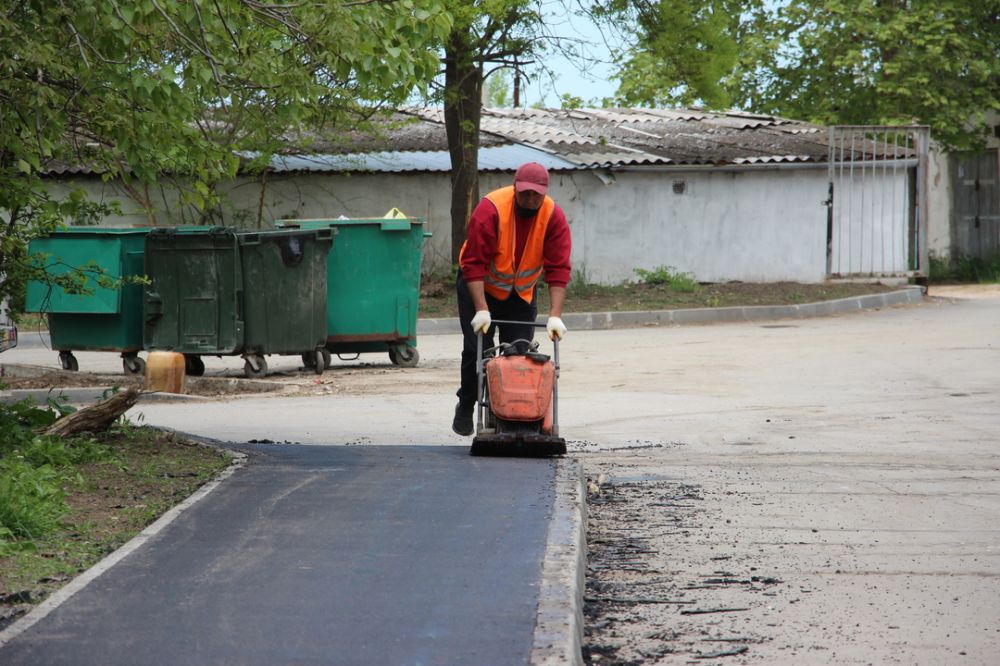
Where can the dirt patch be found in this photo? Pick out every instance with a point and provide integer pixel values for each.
(200, 386)
(82, 379)
(110, 502)
(965, 291)
(438, 296)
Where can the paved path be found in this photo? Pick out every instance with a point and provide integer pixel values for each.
(325, 555)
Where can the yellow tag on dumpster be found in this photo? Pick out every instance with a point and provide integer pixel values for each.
(395, 214)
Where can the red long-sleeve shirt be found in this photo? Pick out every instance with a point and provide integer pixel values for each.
(481, 244)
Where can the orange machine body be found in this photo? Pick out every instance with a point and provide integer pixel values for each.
(520, 389)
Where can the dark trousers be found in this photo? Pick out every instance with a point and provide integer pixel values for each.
(513, 309)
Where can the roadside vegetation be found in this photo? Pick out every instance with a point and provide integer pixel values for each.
(965, 270)
(65, 503)
(660, 288)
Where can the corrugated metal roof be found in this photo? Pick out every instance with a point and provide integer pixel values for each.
(414, 139)
(619, 138)
(491, 158)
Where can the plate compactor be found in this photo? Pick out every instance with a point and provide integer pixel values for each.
(517, 412)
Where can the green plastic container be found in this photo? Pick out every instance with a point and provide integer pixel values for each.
(222, 292)
(103, 319)
(373, 285)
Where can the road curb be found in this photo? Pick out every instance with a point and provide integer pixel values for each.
(586, 321)
(559, 623)
(592, 321)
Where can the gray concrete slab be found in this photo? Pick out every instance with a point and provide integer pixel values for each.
(325, 555)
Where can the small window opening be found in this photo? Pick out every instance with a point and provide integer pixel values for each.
(680, 187)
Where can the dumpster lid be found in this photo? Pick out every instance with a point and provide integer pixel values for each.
(90, 250)
(386, 224)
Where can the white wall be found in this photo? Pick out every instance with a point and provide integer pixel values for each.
(750, 226)
(760, 226)
(939, 203)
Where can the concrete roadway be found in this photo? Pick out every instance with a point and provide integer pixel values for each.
(878, 396)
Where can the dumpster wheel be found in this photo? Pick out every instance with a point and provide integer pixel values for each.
(133, 365)
(309, 359)
(193, 365)
(319, 360)
(255, 366)
(68, 362)
(404, 356)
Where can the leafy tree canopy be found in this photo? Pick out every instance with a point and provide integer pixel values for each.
(683, 51)
(143, 88)
(935, 62)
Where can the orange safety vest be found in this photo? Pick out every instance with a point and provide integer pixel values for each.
(501, 274)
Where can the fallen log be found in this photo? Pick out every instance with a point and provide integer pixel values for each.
(95, 418)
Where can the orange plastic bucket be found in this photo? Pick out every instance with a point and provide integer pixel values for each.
(165, 372)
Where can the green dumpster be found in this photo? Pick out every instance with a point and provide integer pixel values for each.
(104, 319)
(373, 285)
(224, 293)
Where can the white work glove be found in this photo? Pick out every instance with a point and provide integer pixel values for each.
(481, 322)
(556, 328)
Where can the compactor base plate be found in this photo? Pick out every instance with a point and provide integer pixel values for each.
(522, 445)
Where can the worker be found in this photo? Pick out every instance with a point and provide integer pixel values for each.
(515, 235)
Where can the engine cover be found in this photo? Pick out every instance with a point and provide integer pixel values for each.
(520, 387)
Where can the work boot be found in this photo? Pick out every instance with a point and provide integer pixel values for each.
(462, 424)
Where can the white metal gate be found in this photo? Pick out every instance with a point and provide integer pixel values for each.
(876, 215)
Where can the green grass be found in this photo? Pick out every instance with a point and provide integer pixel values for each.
(668, 276)
(970, 270)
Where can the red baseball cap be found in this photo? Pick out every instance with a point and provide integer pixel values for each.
(532, 176)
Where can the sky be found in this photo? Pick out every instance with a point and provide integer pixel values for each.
(568, 79)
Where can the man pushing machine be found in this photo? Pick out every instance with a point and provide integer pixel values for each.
(516, 235)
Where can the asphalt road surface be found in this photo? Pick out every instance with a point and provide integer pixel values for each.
(324, 555)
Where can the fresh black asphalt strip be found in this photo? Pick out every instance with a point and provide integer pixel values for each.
(325, 555)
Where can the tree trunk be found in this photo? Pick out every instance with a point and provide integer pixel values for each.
(462, 106)
(95, 418)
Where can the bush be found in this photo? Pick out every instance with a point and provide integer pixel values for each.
(966, 269)
(33, 468)
(31, 498)
(669, 277)
(978, 270)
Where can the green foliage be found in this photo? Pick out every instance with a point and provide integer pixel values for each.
(683, 52)
(497, 90)
(32, 470)
(933, 62)
(966, 269)
(939, 270)
(148, 91)
(669, 277)
(567, 101)
(31, 498)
